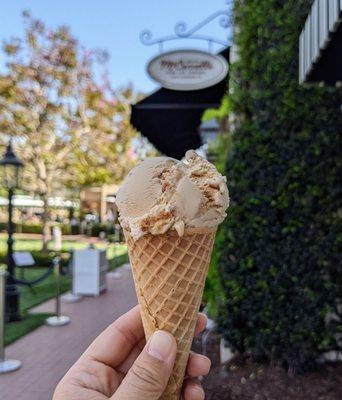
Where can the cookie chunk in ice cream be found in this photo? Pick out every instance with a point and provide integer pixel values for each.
(162, 193)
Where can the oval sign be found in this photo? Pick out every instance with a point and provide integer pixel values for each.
(187, 69)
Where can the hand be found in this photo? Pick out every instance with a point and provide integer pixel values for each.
(120, 365)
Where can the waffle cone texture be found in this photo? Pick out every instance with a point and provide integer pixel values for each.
(169, 273)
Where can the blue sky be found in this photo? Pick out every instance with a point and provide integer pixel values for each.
(115, 25)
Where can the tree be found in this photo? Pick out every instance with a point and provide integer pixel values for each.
(108, 158)
(68, 124)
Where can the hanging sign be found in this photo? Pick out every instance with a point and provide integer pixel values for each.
(187, 69)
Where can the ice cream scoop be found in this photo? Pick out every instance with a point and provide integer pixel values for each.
(162, 194)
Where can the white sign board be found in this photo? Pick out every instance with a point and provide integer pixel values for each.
(23, 259)
(90, 267)
(187, 69)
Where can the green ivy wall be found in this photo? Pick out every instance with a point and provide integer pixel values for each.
(279, 255)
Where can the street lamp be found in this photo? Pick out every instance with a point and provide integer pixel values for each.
(11, 175)
(208, 131)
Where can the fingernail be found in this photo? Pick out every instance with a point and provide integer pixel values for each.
(200, 395)
(160, 345)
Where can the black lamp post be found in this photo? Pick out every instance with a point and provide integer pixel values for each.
(11, 168)
(208, 131)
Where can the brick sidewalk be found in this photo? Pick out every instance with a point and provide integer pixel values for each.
(48, 352)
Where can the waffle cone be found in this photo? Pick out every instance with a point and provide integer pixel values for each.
(169, 273)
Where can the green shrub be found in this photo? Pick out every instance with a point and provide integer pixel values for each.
(29, 228)
(23, 228)
(45, 259)
(213, 294)
(41, 259)
(279, 265)
(97, 228)
(112, 238)
(66, 229)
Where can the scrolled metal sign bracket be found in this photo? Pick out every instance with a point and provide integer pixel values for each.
(182, 32)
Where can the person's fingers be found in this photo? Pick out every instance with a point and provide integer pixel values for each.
(133, 355)
(192, 390)
(128, 362)
(115, 343)
(201, 323)
(126, 365)
(147, 378)
(198, 365)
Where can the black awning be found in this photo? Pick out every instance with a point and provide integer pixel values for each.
(170, 118)
(328, 68)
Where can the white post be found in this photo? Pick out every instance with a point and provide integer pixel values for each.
(57, 238)
(5, 365)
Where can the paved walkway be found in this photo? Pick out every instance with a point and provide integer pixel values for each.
(47, 353)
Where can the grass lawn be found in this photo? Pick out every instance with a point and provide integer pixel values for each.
(116, 253)
(113, 250)
(43, 291)
(28, 323)
(28, 299)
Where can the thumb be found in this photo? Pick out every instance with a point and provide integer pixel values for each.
(148, 376)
